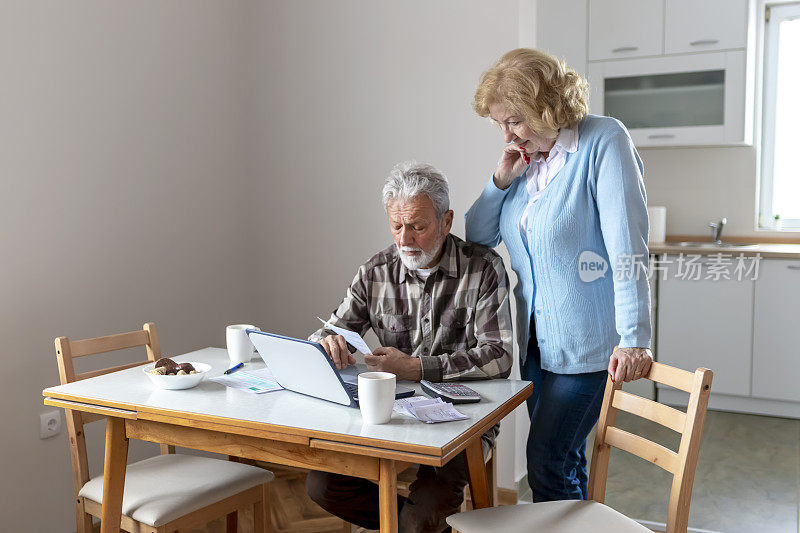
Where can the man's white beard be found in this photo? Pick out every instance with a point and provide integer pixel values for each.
(415, 262)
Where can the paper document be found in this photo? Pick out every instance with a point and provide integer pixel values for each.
(255, 381)
(350, 336)
(428, 410)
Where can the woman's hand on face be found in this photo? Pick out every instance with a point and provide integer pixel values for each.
(512, 164)
(629, 364)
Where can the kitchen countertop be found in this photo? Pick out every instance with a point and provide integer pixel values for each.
(784, 251)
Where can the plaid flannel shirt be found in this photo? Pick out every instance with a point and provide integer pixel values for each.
(457, 322)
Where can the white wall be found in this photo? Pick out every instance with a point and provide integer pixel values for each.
(122, 169)
(343, 92)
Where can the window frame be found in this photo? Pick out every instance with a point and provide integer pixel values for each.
(778, 12)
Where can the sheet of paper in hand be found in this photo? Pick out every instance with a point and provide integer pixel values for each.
(351, 337)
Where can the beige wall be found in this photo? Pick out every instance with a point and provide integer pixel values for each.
(122, 164)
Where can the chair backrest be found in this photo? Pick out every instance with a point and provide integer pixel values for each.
(689, 424)
(66, 351)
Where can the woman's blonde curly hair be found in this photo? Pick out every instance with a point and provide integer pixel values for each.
(539, 87)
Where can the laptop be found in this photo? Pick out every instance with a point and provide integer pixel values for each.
(304, 367)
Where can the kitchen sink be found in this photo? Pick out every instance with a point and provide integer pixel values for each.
(689, 244)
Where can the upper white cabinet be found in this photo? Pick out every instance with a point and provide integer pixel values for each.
(702, 26)
(638, 28)
(776, 334)
(625, 28)
(675, 72)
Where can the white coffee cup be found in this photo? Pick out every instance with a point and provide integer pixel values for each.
(376, 396)
(240, 349)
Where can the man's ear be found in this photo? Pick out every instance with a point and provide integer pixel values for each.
(447, 222)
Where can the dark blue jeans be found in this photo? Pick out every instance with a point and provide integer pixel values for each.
(563, 409)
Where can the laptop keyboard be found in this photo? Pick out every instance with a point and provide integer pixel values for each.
(352, 388)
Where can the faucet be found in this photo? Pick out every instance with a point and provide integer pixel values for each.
(716, 230)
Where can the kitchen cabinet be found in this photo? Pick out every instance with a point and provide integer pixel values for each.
(625, 28)
(636, 28)
(702, 26)
(776, 331)
(708, 323)
(675, 72)
(746, 331)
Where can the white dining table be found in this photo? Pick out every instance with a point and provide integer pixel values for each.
(281, 427)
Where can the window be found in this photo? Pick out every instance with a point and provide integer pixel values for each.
(780, 171)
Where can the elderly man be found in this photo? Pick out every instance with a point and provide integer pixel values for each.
(439, 307)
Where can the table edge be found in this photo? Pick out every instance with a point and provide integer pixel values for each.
(446, 451)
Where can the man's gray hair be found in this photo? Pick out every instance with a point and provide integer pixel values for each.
(409, 179)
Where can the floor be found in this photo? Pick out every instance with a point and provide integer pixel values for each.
(747, 479)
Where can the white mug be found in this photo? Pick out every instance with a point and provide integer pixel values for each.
(376, 396)
(240, 349)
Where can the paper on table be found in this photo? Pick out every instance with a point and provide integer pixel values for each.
(350, 336)
(403, 405)
(255, 381)
(428, 410)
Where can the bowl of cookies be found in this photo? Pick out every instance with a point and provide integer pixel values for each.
(168, 374)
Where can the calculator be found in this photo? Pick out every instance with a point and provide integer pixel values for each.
(450, 392)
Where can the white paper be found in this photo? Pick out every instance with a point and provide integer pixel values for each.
(428, 410)
(255, 381)
(403, 405)
(444, 412)
(350, 336)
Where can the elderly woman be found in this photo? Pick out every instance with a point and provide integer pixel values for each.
(568, 200)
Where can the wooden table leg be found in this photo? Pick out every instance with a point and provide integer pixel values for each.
(476, 470)
(116, 459)
(387, 492)
(232, 519)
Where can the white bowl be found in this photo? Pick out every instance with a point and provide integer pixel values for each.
(176, 382)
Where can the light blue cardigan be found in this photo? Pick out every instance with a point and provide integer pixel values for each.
(596, 202)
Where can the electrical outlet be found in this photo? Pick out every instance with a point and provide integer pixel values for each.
(50, 424)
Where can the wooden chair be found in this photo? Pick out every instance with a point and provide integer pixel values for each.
(593, 515)
(163, 493)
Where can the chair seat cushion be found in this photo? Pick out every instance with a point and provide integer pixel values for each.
(163, 488)
(553, 517)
